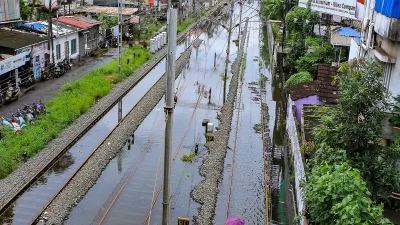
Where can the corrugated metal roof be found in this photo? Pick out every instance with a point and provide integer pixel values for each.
(81, 22)
(389, 8)
(348, 32)
(17, 39)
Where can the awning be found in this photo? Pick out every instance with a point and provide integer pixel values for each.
(342, 36)
(382, 56)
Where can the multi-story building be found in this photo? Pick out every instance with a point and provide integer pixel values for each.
(9, 10)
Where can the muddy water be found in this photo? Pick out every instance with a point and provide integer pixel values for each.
(133, 204)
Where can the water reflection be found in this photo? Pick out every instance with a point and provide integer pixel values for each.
(61, 165)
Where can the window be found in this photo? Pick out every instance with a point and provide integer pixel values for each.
(73, 46)
(58, 51)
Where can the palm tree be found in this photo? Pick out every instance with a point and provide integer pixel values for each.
(273, 9)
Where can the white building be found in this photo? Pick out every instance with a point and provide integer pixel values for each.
(380, 38)
(65, 39)
(65, 42)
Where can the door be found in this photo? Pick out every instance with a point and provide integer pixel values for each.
(66, 45)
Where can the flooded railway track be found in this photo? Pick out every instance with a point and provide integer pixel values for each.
(35, 204)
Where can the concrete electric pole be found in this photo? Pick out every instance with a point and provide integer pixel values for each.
(119, 52)
(169, 108)
(227, 52)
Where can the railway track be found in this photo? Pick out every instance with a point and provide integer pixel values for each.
(33, 203)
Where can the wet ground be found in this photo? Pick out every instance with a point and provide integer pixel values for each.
(141, 163)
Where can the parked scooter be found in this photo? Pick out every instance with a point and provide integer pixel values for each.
(13, 125)
(19, 119)
(30, 110)
(12, 93)
(28, 116)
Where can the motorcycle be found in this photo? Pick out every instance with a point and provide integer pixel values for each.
(12, 93)
(2, 100)
(31, 111)
(28, 116)
(66, 64)
(13, 125)
(59, 70)
(40, 108)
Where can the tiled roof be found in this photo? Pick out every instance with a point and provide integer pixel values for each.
(17, 39)
(81, 22)
(302, 90)
(327, 89)
(325, 86)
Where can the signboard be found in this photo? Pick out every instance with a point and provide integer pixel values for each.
(183, 221)
(26, 51)
(38, 56)
(344, 8)
(12, 63)
(210, 137)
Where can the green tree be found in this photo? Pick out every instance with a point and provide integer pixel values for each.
(26, 11)
(273, 9)
(336, 194)
(356, 126)
(108, 21)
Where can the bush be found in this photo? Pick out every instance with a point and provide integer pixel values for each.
(321, 54)
(336, 194)
(184, 24)
(74, 99)
(298, 78)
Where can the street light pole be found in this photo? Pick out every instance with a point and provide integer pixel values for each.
(169, 108)
(240, 19)
(119, 35)
(227, 52)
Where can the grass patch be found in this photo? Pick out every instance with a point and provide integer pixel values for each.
(182, 26)
(74, 99)
(188, 157)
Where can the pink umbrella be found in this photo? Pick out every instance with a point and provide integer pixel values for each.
(234, 221)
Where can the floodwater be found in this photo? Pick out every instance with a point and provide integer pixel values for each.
(247, 195)
(31, 202)
(143, 163)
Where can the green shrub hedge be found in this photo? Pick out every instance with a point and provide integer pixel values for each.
(74, 99)
(298, 78)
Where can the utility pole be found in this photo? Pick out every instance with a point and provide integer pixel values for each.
(119, 53)
(227, 51)
(240, 18)
(169, 108)
(119, 35)
(50, 37)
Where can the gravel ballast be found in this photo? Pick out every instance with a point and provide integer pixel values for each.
(12, 185)
(206, 193)
(89, 173)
